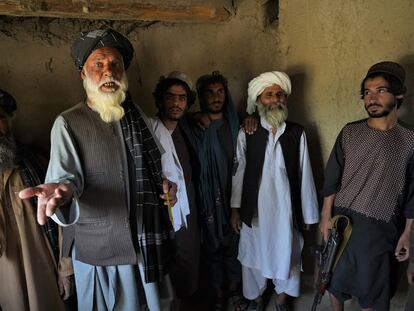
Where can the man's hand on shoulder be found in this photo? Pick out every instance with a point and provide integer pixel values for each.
(250, 124)
(202, 119)
(50, 197)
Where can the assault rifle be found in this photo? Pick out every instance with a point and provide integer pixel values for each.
(328, 254)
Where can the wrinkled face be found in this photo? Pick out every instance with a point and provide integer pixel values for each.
(105, 83)
(273, 97)
(174, 102)
(214, 96)
(378, 101)
(272, 106)
(105, 67)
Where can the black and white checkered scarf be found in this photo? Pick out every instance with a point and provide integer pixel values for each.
(156, 234)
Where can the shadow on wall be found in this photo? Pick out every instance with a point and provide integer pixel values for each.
(239, 85)
(47, 105)
(297, 114)
(406, 112)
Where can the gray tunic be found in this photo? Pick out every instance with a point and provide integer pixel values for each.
(98, 287)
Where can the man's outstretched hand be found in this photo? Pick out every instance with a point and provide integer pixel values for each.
(50, 197)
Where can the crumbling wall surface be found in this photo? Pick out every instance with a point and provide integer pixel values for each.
(37, 70)
(36, 67)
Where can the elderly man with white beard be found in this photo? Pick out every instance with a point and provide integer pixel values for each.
(105, 178)
(273, 194)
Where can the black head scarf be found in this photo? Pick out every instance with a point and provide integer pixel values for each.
(90, 41)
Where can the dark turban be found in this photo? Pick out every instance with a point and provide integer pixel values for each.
(393, 73)
(387, 67)
(7, 103)
(90, 41)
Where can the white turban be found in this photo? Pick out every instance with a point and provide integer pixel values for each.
(258, 84)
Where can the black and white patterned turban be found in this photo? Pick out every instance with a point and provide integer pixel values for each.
(90, 41)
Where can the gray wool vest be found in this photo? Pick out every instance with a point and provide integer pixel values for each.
(103, 233)
(255, 154)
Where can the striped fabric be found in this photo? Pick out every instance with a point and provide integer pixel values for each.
(155, 238)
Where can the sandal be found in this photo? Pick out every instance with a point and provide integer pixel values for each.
(238, 301)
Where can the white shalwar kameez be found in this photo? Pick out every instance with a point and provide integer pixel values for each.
(271, 248)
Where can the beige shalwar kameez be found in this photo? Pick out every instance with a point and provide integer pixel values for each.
(28, 269)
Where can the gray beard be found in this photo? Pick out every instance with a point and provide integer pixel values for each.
(274, 117)
(7, 153)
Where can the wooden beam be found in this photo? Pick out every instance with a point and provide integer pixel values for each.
(115, 10)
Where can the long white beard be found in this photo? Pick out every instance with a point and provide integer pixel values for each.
(7, 153)
(108, 105)
(275, 116)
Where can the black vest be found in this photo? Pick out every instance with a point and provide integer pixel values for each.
(255, 154)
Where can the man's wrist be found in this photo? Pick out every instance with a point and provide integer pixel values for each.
(326, 214)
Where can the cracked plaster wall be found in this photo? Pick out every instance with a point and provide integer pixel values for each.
(36, 67)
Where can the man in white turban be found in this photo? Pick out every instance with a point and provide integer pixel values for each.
(273, 194)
